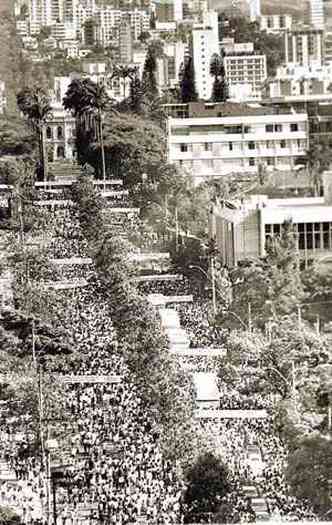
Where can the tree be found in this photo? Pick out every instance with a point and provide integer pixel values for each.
(144, 36)
(207, 483)
(149, 81)
(133, 145)
(271, 285)
(16, 138)
(217, 70)
(87, 101)
(90, 205)
(123, 72)
(35, 105)
(187, 82)
(136, 94)
(309, 472)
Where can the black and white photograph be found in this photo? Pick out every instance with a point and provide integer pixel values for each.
(165, 262)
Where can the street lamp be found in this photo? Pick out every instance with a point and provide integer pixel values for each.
(51, 445)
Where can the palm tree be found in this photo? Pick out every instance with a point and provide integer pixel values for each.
(87, 101)
(124, 72)
(35, 105)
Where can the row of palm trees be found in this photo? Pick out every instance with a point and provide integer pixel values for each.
(85, 99)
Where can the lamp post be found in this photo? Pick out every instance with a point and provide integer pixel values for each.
(51, 445)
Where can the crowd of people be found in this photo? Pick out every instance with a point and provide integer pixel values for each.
(116, 464)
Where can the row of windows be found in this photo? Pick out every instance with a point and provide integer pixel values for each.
(58, 132)
(231, 129)
(208, 146)
(251, 162)
(311, 235)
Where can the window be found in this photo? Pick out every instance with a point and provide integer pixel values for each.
(251, 145)
(60, 152)
(183, 148)
(208, 146)
(230, 146)
(294, 126)
(59, 132)
(269, 128)
(282, 143)
(48, 132)
(251, 161)
(270, 161)
(278, 128)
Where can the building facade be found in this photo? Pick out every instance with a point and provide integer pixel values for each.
(204, 44)
(245, 76)
(242, 229)
(305, 47)
(275, 23)
(125, 43)
(217, 146)
(316, 16)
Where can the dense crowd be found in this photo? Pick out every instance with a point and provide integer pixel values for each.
(113, 444)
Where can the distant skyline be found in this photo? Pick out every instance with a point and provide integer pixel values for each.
(296, 7)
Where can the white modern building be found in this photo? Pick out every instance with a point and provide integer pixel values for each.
(317, 14)
(245, 75)
(217, 146)
(254, 9)
(242, 228)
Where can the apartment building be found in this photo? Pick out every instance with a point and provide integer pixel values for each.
(242, 228)
(245, 75)
(304, 46)
(316, 14)
(217, 146)
(275, 23)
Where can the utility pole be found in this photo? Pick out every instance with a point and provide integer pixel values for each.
(299, 316)
(34, 344)
(249, 318)
(213, 280)
(176, 230)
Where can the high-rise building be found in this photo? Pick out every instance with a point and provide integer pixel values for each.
(316, 16)
(254, 9)
(205, 43)
(304, 46)
(40, 12)
(125, 43)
